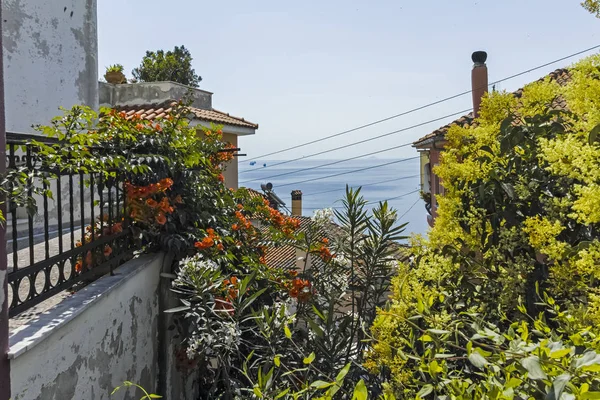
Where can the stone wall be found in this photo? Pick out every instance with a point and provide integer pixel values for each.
(50, 51)
(94, 340)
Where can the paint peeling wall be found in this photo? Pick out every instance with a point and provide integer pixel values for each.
(50, 50)
(114, 338)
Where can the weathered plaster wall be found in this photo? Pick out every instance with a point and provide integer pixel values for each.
(50, 51)
(151, 93)
(231, 168)
(93, 341)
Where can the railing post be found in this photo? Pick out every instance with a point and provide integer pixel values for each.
(4, 362)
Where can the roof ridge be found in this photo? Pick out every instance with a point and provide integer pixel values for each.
(557, 75)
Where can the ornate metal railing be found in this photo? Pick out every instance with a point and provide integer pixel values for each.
(79, 232)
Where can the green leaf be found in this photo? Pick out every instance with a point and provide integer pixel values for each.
(594, 134)
(590, 395)
(257, 392)
(478, 360)
(558, 386)
(533, 367)
(559, 353)
(321, 384)
(288, 333)
(277, 360)
(342, 374)
(280, 395)
(360, 391)
(438, 331)
(155, 396)
(309, 359)
(425, 390)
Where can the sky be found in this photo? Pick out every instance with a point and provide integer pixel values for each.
(307, 69)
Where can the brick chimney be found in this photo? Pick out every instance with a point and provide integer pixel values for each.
(296, 203)
(479, 79)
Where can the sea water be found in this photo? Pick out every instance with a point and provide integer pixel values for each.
(321, 191)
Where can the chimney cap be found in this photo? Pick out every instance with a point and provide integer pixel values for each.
(479, 57)
(296, 195)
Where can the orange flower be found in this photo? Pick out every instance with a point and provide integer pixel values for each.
(239, 206)
(210, 232)
(122, 114)
(152, 203)
(293, 273)
(294, 293)
(325, 241)
(78, 244)
(107, 251)
(221, 178)
(222, 305)
(205, 243)
(117, 228)
(298, 283)
(165, 206)
(220, 247)
(232, 294)
(234, 280)
(161, 219)
(78, 266)
(158, 127)
(235, 227)
(139, 127)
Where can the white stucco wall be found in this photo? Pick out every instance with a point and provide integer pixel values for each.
(94, 340)
(50, 50)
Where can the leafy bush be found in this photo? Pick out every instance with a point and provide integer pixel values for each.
(502, 299)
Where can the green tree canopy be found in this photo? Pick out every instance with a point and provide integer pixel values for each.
(593, 6)
(175, 66)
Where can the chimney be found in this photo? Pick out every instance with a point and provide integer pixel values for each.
(479, 79)
(296, 203)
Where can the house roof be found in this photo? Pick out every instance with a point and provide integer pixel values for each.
(284, 255)
(153, 111)
(562, 76)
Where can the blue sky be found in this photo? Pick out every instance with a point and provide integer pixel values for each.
(308, 69)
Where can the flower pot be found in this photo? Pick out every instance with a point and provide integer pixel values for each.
(115, 77)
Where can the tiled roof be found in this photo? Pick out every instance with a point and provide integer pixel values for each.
(562, 76)
(256, 194)
(153, 111)
(284, 256)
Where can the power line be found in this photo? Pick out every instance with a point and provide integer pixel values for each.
(375, 201)
(350, 172)
(423, 106)
(353, 144)
(410, 208)
(362, 186)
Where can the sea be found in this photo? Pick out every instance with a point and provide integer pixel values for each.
(323, 184)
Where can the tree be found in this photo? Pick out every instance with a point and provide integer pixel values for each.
(593, 6)
(503, 298)
(175, 66)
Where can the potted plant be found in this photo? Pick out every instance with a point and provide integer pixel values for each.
(114, 74)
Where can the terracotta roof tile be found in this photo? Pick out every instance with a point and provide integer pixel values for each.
(562, 76)
(153, 111)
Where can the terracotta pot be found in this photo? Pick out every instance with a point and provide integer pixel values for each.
(115, 77)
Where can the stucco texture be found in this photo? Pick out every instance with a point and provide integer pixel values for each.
(50, 59)
(110, 335)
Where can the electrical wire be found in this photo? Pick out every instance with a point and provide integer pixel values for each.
(376, 201)
(410, 208)
(350, 145)
(423, 106)
(349, 172)
(362, 186)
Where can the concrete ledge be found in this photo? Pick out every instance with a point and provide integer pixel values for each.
(28, 336)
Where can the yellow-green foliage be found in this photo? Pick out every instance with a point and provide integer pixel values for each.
(513, 218)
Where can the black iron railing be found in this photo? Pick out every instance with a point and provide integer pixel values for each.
(79, 232)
